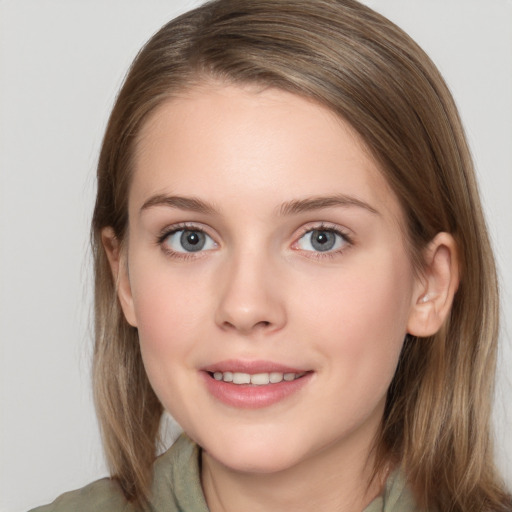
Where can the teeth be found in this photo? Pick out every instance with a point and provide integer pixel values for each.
(258, 379)
(275, 377)
(241, 378)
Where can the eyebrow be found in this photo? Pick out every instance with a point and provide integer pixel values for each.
(183, 203)
(317, 203)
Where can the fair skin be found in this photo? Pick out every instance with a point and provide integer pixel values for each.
(263, 239)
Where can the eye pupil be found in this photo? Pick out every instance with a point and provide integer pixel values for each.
(192, 241)
(322, 240)
(193, 238)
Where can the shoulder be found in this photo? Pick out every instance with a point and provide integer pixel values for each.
(176, 486)
(100, 496)
(397, 496)
(177, 478)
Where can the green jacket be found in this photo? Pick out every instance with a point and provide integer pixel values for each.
(177, 488)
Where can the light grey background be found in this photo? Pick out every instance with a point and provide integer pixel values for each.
(61, 63)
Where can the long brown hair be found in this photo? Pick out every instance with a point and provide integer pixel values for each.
(365, 69)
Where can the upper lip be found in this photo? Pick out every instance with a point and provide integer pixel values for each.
(251, 367)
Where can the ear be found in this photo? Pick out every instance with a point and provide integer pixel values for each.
(118, 265)
(436, 287)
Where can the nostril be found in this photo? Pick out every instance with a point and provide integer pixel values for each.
(263, 324)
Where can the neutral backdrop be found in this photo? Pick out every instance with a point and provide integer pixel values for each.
(61, 63)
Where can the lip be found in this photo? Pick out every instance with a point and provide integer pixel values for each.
(248, 396)
(257, 366)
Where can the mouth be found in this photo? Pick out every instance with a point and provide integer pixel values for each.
(254, 385)
(256, 379)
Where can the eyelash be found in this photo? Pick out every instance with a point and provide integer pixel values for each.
(319, 255)
(168, 231)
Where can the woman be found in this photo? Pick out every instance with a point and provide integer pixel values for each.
(372, 307)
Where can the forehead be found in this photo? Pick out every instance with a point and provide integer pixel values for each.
(219, 140)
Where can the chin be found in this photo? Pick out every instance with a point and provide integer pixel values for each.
(261, 454)
(250, 461)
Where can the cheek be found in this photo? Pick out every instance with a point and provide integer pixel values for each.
(168, 308)
(360, 316)
(170, 321)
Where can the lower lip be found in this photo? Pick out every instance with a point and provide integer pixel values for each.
(247, 396)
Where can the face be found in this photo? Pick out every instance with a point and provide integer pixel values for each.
(267, 274)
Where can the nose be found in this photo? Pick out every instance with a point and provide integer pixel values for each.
(251, 296)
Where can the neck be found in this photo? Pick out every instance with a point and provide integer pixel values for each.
(336, 478)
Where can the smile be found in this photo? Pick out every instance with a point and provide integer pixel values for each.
(257, 379)
(254, 384)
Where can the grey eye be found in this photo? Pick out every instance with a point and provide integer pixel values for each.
(192, 241)
(187, 240)
(321, 240)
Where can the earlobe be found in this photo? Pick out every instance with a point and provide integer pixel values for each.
(117, 260)
(436, 287)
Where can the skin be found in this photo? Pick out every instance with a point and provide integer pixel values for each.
(260, 291)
